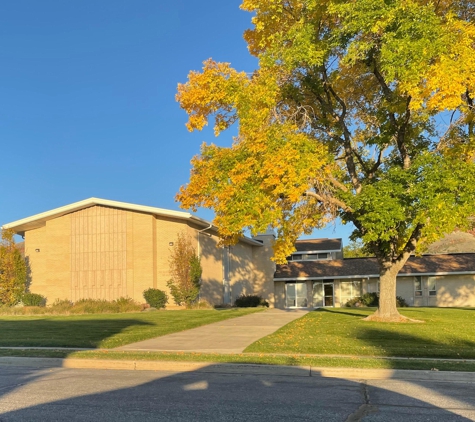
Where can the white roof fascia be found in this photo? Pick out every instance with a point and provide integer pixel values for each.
(325, 278)
(76, 206)
(436, 274)
(373, 276)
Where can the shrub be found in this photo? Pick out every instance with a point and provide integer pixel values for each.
(401, 302)
(33, 299)
(370, 299)
(250, 301)
(61, 306)
(185, 271)
(354, 302)
(155, 298)
(126, 304)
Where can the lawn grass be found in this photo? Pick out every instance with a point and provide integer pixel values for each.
(104, 330)
(445, 333)
(262, 359)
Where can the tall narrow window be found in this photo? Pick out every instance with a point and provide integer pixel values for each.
(417, 286)
(432, 286)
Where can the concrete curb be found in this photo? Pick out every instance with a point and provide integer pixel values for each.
(241, 369)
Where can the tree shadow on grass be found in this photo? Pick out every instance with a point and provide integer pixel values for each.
(395, 340)
(52, 332)
(336, 311)
(399, 344)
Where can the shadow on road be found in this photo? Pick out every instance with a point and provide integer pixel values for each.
(55, 394)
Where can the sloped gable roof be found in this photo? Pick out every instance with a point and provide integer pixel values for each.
(39, 220)
(368, 267)
(318, 245)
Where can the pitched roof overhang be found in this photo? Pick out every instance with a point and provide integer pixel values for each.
(354, 268)
(317, 245)
(39, 220)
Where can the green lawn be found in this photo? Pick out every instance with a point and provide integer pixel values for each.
(250, 358)
(104, 330)
(445, 333)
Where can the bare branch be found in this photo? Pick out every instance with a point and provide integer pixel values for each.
(332, 200)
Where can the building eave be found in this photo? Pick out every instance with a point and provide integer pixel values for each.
(368, 276)
(39, 220)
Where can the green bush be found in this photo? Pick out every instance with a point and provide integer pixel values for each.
(155, 298)
(250, 301)
(61, 306)
(401, 302)
(33, 299)
(370, 299)
(367, 300)
(354, 302)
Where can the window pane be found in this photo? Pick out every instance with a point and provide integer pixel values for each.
(417, 284)
(317, 294)
(290, 295)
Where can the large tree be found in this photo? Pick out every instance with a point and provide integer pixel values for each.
(362, 110)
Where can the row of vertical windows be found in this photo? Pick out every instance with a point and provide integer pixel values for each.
(309, 256)
(431, 286)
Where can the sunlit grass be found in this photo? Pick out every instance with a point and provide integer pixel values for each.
(244, 358)
(445, 333)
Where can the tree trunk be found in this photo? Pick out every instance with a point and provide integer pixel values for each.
(387, 311)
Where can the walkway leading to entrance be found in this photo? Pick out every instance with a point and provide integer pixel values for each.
(230, 336)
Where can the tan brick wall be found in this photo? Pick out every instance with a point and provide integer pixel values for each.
(264, 269)
(241, 271)
(140, 245)
(212, 265)
(50, 267)
(98, 253)
(106, 253)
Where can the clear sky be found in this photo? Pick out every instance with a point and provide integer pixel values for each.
(87, 103)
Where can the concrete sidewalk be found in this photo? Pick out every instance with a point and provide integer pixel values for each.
(229, 336)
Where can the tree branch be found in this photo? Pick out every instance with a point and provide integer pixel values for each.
(332, 200)
(350, 163)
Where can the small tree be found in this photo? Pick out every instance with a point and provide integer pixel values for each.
(12, 270)
(185, 270)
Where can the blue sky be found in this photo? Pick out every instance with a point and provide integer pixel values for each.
(87, 103)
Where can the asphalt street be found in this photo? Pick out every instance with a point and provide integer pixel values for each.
(60, 394)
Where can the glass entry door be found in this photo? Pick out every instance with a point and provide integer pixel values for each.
(323, 294)
(329, 299)
(296, 295)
